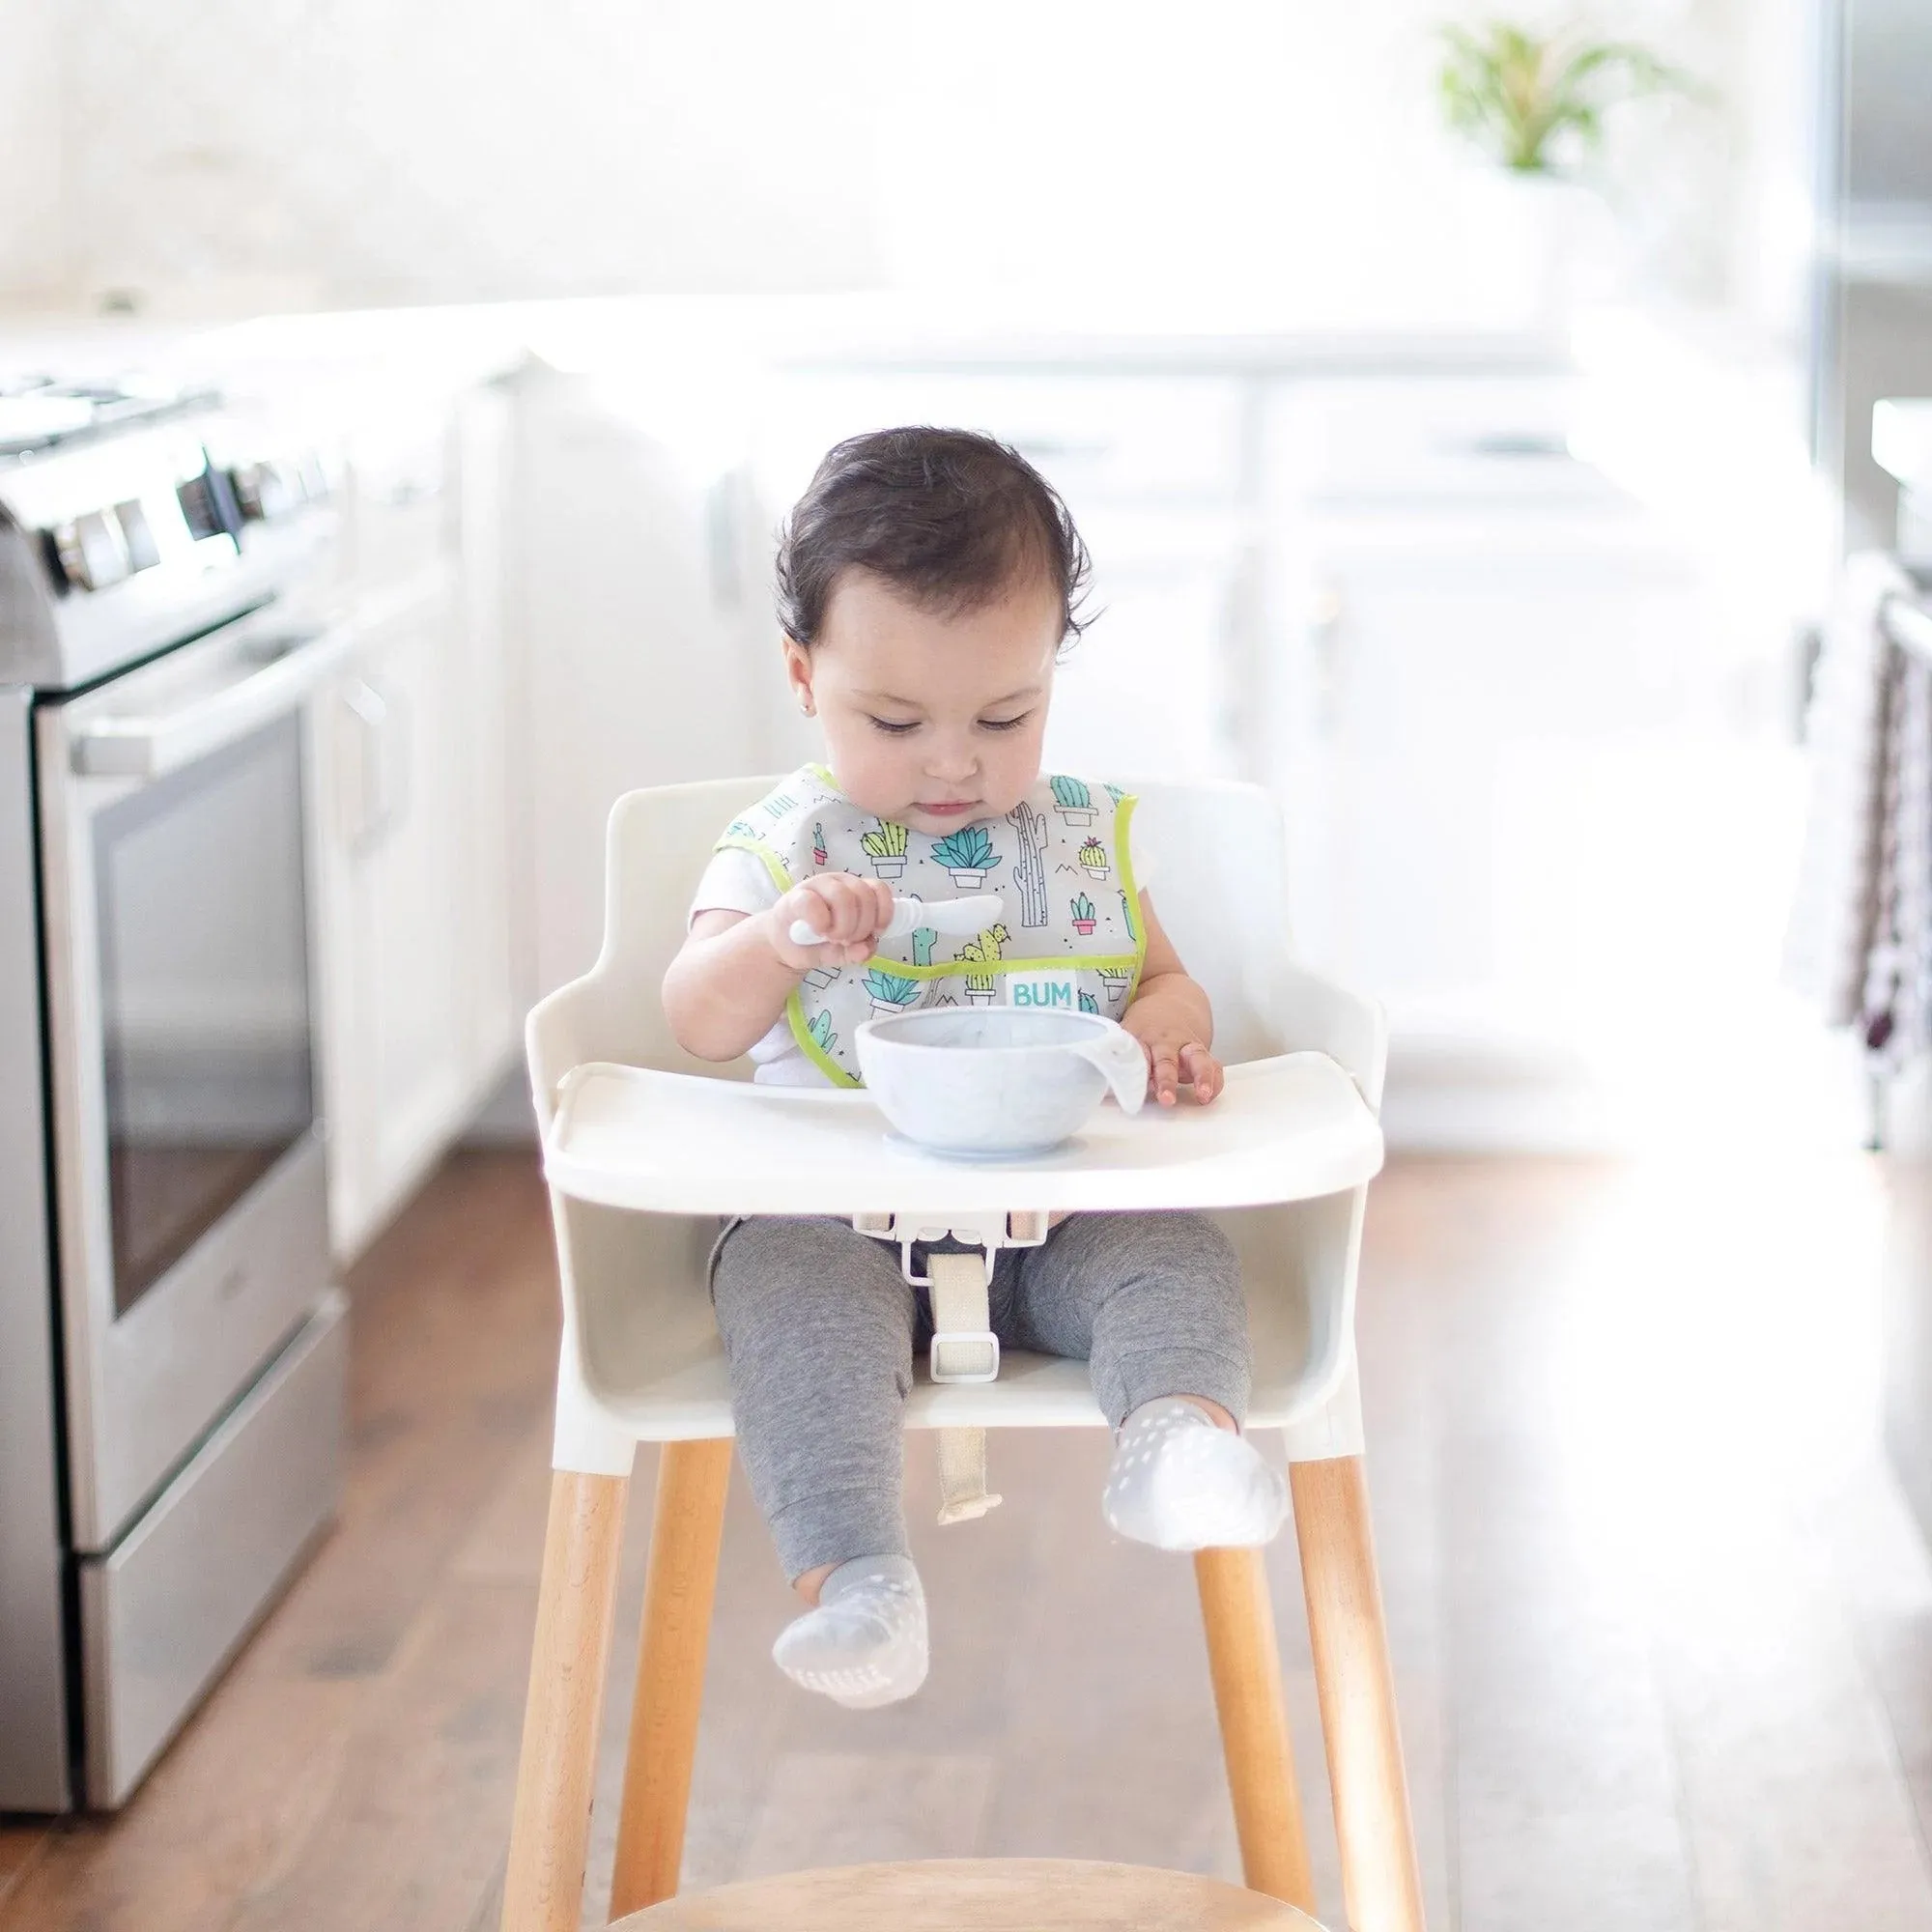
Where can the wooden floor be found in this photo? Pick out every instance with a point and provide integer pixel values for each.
(1663, 1629)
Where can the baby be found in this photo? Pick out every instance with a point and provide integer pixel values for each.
(927, 581)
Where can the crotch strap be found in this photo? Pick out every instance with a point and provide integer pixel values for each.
(964, 1347)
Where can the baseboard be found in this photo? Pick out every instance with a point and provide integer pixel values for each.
(508, 1118)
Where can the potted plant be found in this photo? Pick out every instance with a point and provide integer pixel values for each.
(886, 849)
(890, 992)
(1073, 801)
(984, 951)
(1083, 916)
(967, 855)
(1534, 104)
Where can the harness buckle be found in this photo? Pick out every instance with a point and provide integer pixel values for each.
(964, 1355)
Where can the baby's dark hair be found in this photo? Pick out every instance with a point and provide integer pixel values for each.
(949, 519)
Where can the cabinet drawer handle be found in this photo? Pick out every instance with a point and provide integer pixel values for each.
(378, 792)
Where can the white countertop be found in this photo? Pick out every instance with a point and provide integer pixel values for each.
(1902, 440)
(466, 342)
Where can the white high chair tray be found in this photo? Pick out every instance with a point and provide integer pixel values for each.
(1285, 1129)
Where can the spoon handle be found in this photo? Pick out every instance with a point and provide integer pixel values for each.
(950, 916)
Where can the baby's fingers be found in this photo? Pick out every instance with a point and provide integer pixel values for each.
(1204, 1072)
(810, 910)
(852, 904)
(1165, 1078)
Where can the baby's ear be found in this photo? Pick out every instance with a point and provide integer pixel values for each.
(798, 669)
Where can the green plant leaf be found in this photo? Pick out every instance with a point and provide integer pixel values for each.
(1514, 92)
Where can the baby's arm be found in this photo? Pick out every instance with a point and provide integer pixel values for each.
(1170, 1017)
(735, 971)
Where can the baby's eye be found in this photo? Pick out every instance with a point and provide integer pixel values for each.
(891, 730)
(1006, 724)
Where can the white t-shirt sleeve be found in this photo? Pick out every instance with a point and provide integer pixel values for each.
(734, 881)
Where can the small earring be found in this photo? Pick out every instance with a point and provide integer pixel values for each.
(805, 705)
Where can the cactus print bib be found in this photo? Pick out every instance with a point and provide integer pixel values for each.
(1071, 935)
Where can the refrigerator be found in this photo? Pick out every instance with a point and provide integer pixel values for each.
(1872, 305)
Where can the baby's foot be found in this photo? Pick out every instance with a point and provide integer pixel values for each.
(1178, 1482)
(864, 1644)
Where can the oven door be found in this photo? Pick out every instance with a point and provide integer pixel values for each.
(176, 846)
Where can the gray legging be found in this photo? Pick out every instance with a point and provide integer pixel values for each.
(820, 1325)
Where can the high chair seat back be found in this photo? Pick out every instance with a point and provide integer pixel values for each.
(1220, 885)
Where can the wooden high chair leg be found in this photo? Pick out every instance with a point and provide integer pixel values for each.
(1239, 1618)
(550, 1829)
(1381, 1886)
(686, 1531)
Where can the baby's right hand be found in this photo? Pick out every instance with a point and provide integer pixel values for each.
(851, 911)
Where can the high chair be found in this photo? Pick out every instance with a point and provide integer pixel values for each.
(641, 1160)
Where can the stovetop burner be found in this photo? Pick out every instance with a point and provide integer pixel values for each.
(137, 512)
(37, 413)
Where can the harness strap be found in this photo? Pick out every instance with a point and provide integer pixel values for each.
(964, 1349)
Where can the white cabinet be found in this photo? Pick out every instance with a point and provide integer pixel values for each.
(493, 977)
(394, 1047)
(1535, 804)
(649, 653)
(419, 1009)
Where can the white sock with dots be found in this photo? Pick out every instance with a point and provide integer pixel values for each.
(1179, 1482)
(864, 1644)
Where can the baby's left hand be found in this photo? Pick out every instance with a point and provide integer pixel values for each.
(1174, 1057)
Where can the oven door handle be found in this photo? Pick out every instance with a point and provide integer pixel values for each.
(147, 747)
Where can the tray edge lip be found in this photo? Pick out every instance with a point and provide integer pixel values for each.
(1353, 1164)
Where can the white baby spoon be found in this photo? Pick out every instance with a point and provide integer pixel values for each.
(953, 917)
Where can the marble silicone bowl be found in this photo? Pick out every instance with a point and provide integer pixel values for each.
(995, 1081)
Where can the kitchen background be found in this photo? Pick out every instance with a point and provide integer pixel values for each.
(349, 155)
(1491, 520)
(1422, 534)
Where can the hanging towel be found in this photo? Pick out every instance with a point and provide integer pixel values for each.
(1896, 1020)
(1860, 745)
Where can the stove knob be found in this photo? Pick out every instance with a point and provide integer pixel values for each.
(245, 479)
(92, 549)
(265, 490)
(208, 505)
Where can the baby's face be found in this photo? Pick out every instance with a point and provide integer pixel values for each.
(930, 721)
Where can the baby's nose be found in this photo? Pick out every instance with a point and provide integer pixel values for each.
(951, 761)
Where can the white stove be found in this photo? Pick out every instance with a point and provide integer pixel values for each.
(171, 1343)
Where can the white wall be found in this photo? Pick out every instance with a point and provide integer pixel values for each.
(32, 254)
(1279, 162)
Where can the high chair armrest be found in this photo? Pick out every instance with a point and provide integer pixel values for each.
(559, 1035)
(1307, 1011)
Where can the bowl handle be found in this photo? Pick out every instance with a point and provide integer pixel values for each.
(1122, 1059)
